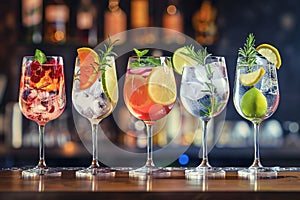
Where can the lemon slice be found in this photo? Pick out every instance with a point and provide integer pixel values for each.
(270, 53)
(162, 86)
(110, 82)
(180, 60)
(252, 78)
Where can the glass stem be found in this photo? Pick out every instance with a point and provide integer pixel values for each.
(204, 162)
(95, 163)
(41, 163)
(149, 162)
(256, 162)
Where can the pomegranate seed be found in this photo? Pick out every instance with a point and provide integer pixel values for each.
(52, 109)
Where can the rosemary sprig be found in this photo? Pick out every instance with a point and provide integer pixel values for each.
(103, 62)
(108, 51)
(248, 53)
(198, 56)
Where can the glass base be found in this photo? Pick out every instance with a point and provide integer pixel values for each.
(153, 171)
(205, 173)
(38, 171)
(257, 172)
(95, 172)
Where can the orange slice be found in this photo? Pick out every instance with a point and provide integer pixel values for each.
(89, 67)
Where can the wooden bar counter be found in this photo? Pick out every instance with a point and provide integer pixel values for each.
(13, 186)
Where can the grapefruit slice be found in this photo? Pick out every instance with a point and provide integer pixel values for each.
(89, 67)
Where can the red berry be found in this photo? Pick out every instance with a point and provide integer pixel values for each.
(46, 67)
(35, 78)
(35, 65)
(52, 109)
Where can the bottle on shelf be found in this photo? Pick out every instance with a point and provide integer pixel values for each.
(115, 21)
(57, 15)
(172, 19)
(139, 13)
(86, 23)
(32, 17)
(204, 23)
(140, 18)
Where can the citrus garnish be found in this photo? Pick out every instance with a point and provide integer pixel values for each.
(110, 83)
(161, 87)
(89, 67)
(180, 60)
(250, 79)
(254, 103)
(137, 95)
(270, 53)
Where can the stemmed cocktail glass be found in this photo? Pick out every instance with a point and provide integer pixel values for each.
(94, 96)
(256, 98)
(42, 99)
(149, 94)
(204, 93)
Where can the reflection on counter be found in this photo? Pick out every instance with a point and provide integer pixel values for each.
(229, 140)
(237, 134)
(178, 128)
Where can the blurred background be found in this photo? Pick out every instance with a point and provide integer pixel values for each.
(61, 26)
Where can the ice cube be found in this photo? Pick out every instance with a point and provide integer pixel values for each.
(95, 89)
(201, 74)
(221, 85)
(192, 90)
(32, 95)
(83, 100)
(100, 107)
(260, 60)
(217, 70)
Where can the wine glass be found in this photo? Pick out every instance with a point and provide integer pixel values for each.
(94, 96)
(149, 94)
(256, 97)
(204, 92)
(42, 98)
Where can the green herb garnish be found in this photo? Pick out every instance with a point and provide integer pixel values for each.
(102, 62)
(40, 56)
(143, 60)
(108, 51)
(248, 53)
(213, 105)
(198, 56)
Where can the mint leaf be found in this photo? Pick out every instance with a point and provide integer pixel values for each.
(40, 56)
(140, 53)
(154, 61)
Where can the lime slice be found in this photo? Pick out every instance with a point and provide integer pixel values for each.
(180, 60)
(254, 103)
(252, 78)
(162, 86)
(270, 53)
(110, 83)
